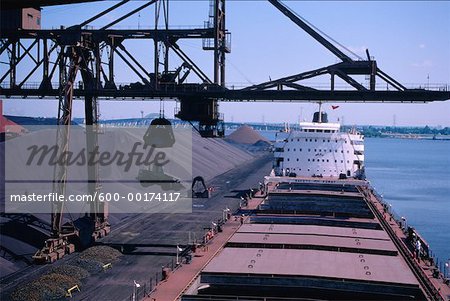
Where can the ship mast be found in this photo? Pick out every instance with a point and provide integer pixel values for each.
(320, 112)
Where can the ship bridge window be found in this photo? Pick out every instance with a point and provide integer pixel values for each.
(359, 153)
(311, 131)
(319, 131)
(327, 131)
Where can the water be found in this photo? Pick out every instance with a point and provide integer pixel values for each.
(413, 176)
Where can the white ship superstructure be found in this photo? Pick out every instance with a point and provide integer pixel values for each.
(319, 149)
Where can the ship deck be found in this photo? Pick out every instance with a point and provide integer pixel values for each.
(315, 239)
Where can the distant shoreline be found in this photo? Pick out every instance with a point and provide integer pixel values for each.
(415, 137)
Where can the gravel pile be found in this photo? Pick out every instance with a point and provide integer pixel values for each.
(48, 287)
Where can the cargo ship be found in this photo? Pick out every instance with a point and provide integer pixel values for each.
(317, 230)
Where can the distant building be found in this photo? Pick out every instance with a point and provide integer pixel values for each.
(20, 18)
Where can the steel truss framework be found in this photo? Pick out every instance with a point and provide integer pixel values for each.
(159, 81)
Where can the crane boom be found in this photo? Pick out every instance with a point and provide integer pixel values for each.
(291, 15)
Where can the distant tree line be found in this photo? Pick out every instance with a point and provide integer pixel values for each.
(379, 131)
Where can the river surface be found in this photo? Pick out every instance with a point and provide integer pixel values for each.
(414, 176)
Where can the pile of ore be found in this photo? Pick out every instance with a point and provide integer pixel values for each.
(54, 284)
(101, 254)
(51, 286)
(246, 135)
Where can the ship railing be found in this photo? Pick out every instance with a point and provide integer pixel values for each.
(442, 266)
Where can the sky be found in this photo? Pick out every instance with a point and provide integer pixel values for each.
(409, 39)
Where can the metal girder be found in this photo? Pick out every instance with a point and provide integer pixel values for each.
(298, 87)
(294, 18)
(18, 60)
(174, 46)
(103, 13)
(36, 67)
(390, 80)
(97, 34)
(350, 80)
(129, 14)
(343, 70)
(4, 44)
(144, 80)
(287, 79)
(214, 91)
